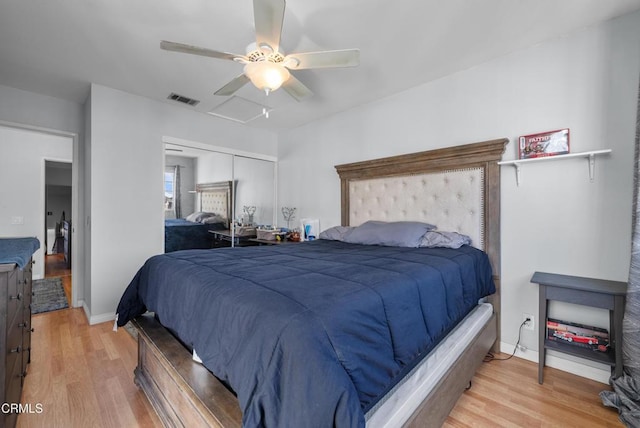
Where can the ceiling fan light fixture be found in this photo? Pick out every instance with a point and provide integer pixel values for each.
(266, 75)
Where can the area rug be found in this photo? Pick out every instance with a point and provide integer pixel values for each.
(48, 295)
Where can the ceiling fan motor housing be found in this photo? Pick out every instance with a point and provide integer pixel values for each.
(264, 52)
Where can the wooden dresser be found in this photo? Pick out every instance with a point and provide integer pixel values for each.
(15, 340)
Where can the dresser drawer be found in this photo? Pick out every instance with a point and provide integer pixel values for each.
(26, 345)
(13, 393)
(27, 293)
(14, 305)
(13, 278)
(14, 369)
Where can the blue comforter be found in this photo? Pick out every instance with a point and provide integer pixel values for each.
(18, 250)
(310, 334)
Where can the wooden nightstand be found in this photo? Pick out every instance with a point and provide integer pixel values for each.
(597, 293)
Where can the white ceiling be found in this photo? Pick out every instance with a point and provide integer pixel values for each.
(58, 47)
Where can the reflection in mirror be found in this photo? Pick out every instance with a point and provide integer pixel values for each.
(179, 180)
(205, 190)
(194, 213)
(255, 191)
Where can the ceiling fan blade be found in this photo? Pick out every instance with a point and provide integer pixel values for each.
(323, 59)
(268, 16)
(296, 89)
(179, 47)
(231, 87)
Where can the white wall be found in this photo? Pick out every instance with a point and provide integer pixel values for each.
(85, 257)
(126, 144)
(254, 180)
(41, 111)
(22, 177)
(54, 116)
(557, 220)
(212, 167)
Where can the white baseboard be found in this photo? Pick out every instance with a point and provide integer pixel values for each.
(96, 319)
(87, 312)
(569, 366)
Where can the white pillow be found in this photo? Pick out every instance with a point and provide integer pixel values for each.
(197, 216)
(336, 233)
(436, 238)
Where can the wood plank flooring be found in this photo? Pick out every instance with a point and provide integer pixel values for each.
(507, 394)
(83, 377)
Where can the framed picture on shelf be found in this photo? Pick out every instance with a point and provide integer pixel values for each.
(543, 144)
(309, 229)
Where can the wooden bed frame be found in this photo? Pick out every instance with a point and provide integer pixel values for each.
(185, 394)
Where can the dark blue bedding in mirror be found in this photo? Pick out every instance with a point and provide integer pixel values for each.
(181, 234)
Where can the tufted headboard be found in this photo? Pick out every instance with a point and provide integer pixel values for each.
(452, 199)
(215, 198)
(455, 188)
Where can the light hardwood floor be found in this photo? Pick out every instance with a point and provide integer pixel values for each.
(83, 377)
(54, 265)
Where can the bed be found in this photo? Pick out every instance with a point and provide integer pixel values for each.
(185, 234)
(456, 188)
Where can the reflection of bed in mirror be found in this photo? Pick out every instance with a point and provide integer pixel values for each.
(214, 212)
(456, 188)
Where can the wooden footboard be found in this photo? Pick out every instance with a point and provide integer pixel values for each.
(186, 394)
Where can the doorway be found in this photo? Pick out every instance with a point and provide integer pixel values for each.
(58, 222)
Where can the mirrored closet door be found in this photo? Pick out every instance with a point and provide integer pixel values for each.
(216, 199)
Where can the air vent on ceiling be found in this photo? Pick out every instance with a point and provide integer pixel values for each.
(182, 99)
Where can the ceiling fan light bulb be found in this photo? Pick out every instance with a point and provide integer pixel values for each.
(266, 75)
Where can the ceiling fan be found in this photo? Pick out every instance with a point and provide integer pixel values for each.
(265, 65)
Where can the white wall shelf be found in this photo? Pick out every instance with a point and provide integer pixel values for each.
(590, 156)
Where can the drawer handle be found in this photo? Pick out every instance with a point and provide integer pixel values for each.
(17, 297)
(26, 326)
(16, 350)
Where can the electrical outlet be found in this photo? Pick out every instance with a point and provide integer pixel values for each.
(528, 325)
